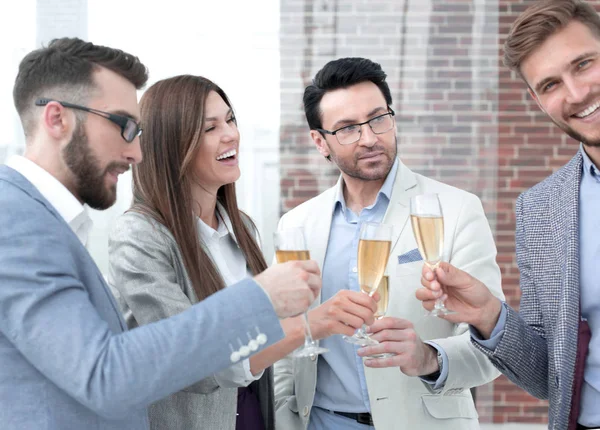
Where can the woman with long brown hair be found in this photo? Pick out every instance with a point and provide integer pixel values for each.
(184, 239)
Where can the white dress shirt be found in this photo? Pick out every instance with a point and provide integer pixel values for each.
(66, 204)
(225, 253)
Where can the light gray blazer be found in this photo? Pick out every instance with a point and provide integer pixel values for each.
(539, 346)
(67, 361)
(150, 282)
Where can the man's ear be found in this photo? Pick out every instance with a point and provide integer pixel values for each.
(535, 97)
(56, 120)
(320, 143)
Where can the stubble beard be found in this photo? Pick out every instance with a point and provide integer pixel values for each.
(350, 166)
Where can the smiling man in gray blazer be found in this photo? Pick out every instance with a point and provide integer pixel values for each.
(545, 348)
(66, 359)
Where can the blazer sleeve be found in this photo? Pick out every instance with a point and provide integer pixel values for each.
(143, 269)
(473, 251)
(47, 314)
(522, 354)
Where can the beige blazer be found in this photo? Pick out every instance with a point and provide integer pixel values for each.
(399, 401)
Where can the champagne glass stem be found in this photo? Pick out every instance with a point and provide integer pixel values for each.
(308, 339)
(439, 307)
(362, 331)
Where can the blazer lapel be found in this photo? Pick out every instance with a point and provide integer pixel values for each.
(398, 211)
(318, 226)
(564, 216)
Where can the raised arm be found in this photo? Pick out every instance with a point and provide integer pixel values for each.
(48, 316)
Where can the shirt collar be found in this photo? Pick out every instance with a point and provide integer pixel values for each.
(589, 168)
(385, 190)
(65, 203)
(223, 229)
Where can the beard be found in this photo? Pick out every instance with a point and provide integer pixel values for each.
(571, 132)
(377, 170)
(577, 136)
(89, 175)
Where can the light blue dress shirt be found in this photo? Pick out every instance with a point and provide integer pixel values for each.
(341, 383)
(589, 280)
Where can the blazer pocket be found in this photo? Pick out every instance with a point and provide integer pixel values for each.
(292, 404)
(447, 407)
(409, 268)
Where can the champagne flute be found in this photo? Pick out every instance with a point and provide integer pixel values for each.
(428, 227)
(384, 298)
(290, 245)
(383, 289)
(374, 246)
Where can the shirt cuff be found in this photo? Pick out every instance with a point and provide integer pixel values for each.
(248, 374)
(497, 333)
(238, 375)
(443, 375)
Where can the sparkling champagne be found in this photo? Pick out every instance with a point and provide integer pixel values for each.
(372, 259)
(429, 233)
(284, 256)
(384, 296)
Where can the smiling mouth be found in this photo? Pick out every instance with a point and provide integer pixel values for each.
(587, 112)
(227, 155)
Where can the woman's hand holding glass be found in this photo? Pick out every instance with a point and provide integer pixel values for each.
(290, 245)
(343, 313)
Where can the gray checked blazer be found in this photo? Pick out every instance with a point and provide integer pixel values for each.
(539, 346)
(149, 280)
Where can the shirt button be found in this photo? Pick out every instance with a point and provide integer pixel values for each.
(354, 269)
(305, 411)
(313, 357)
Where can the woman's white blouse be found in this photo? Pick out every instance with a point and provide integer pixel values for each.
(222, 247)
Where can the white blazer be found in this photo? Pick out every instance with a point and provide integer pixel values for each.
(399, 401)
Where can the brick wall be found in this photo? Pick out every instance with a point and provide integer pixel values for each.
(462, 117)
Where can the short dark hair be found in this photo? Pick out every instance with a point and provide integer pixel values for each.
(341, 73)
(540, 21)
(63, 70)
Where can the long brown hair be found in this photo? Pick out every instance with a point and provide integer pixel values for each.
(542, 20)
(172, 116)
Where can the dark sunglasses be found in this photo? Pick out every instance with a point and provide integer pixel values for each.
(129, 128)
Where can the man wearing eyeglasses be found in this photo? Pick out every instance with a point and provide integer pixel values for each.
(66, 359)
(425, 383)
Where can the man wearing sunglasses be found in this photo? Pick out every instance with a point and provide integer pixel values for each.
(66, 359)
(424, 384)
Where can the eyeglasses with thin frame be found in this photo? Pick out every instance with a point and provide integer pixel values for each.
(129, 128)
(350, 134)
